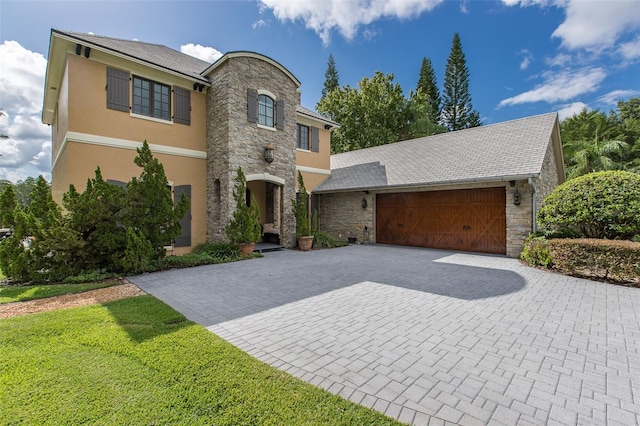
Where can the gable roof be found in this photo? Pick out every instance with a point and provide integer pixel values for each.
(512, 150)
(152, 54)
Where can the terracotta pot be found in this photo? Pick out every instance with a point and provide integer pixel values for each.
(305, 243)
(246, 248)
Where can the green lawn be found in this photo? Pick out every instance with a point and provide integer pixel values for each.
(10, 294)
(136, 361)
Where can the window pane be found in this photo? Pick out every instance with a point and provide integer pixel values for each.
(303, 137)
(265, 110)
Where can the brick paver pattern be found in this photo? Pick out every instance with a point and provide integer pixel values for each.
(558, 350)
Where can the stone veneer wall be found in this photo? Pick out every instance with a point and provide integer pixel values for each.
(518, 217)
(232, 141)
(341, 215)
(548, 179)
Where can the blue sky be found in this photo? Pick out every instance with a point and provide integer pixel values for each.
(525, 57)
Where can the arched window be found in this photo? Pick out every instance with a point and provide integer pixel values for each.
(265, 111)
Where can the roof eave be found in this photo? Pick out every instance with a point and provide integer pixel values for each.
(489, 179)
(243, 53)
(117, 53)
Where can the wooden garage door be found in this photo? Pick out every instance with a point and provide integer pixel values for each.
(466, 220)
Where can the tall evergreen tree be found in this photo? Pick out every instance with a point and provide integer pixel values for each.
(429, 86)
(331, 81)
(457, 111)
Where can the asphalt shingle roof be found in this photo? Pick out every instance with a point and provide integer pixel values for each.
(305, 111)
(511, 149)
(155, 54)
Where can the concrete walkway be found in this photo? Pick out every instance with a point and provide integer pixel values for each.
(428, 336)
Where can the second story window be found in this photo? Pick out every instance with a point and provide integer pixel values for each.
(303, 137)
(265, 111)
(151, 98)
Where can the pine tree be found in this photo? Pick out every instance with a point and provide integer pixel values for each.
(8, 204)
(331, 81)
(243, 228)
(150, 204)
(429, 86)
(457, 111)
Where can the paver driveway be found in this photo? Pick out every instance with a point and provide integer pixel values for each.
(427, 336)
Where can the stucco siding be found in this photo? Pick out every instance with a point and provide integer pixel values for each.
(80, 161)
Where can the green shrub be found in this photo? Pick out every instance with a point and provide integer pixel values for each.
(301, 210)
(138, 254)
(596, 205)
(536, 252)
(617, 261)
(90, 277)
(243, 228)
(322, 240)
(221, 251)
(186, 261)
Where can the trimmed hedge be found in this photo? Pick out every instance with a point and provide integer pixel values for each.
(597, 205)
(615, 261)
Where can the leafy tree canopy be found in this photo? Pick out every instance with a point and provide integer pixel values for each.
(593, 140)
(376, 113)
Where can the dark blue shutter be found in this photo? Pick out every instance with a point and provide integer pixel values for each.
(252, 105)
(117, 89)
(280, 115)
(181, 106)
(184, 240)
(315, 139)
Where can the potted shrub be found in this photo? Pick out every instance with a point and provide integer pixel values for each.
(301, 212)
(243, 229)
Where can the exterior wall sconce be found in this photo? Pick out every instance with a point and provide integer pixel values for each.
(268, 153)
(517, 199)
(364, 203)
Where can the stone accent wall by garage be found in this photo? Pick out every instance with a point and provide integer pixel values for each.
(233, 141)
(518, 217)
(341, 215)
(548, 179)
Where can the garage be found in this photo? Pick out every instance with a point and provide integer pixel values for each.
(465, 220)
(475, 190)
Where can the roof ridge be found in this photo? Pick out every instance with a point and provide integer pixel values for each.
(457, 132)
(78, 33)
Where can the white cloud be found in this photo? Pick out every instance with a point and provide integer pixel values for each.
(560, 86)
(560, 60)
(595, 25)
(631, 49)
(346, 17)
(591, 25)
(613, 97)
(569, 110)
(207, 54)
(258, 24)
(27, 151)
(527, 57)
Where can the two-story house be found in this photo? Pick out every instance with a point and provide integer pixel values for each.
(104, 96)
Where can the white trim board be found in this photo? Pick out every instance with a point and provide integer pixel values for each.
(313, 170)
(124, 144)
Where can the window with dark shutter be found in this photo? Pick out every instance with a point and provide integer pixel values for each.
(117, 89)
(315, 139)
(184, 240)
(181, 106)
(302, 136)
(280, 114)
(252, 105)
